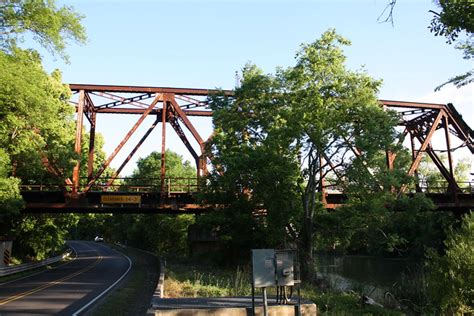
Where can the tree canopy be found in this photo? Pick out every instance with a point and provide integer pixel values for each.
(281, 134)
(51, 27)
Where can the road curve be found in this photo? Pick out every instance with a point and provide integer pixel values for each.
(68, 289)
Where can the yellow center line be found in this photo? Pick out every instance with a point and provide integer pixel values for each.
(50, 284)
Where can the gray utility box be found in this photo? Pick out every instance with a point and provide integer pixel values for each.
(285, 268)
(263, 267)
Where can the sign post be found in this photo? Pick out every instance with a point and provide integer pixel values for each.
(5, 252)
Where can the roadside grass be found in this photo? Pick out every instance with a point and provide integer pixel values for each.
(133, 295)
(190, 279)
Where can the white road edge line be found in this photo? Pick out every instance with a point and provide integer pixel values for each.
(106, 290)
(34, 274)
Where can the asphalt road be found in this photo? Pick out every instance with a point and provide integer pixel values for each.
(69, 289)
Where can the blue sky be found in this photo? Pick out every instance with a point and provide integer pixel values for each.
(202, 44)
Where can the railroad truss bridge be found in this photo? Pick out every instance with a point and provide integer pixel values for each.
(176, 107)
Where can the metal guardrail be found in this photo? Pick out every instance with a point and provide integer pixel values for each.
(4, 271)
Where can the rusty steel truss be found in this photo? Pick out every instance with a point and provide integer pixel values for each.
(176, 105)
(168, 105)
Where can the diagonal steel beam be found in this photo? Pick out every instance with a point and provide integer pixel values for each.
(122, 143)
(425, 143)
(124, 163)
(184, 118)
(179, 131)
(201, 161)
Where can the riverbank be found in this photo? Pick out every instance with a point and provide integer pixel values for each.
(186, 278)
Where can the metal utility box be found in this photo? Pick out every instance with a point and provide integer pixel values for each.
(263, 267)
(284, 268)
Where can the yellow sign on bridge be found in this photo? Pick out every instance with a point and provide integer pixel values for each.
(120, 199)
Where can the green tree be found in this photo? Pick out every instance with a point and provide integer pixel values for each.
(455, 19)
(274, 139)
(164, 234)
(451, 275)
(36, 121)
(51, 27)
(10, 198)
(431, 177)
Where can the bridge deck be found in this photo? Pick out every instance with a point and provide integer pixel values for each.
(178, 202)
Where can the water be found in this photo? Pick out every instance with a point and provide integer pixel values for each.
(373, 276)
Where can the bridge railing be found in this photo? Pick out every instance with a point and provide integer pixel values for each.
(441, 187)
(190, 185)
(139, 185)
(466, 187)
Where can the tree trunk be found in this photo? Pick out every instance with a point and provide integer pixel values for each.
(306, 250)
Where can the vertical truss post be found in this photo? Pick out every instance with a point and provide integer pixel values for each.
(77, 146)
(163, 143)
(448, 147)
(90, 159)
(413, 155)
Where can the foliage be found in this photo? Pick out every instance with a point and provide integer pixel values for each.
(40, 236)
(192, 279)
(451, 276)
(150, 166)
(163, 234)
(429, 175)
(454, 19)
(10, 198)
(36, 120)
(382, 225)
(51, 27)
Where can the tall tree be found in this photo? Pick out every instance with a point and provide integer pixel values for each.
(36, 120)
(276, 139)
